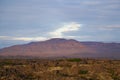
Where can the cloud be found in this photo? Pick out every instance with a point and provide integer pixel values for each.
(104, 27)
(22, 38)
(110, 27)
(58, 33)
(73, 26)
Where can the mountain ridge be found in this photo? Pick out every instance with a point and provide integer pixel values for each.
(58, 47)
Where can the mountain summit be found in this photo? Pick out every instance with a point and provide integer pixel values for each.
(58, 47)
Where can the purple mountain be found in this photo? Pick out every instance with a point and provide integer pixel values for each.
(59, 47)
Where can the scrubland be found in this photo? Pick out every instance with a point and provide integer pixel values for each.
(59, 69)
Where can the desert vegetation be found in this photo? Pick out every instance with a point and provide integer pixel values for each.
(59, 69)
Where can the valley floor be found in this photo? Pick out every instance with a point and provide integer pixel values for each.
(59, 69)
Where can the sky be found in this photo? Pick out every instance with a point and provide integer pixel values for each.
(24, 21)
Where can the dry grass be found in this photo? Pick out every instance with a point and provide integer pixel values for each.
(62, 69)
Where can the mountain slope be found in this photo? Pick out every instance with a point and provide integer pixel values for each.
(58, 47)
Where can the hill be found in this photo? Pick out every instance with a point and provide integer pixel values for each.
(58, 47)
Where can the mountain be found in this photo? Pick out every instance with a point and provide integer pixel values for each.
(58, 47)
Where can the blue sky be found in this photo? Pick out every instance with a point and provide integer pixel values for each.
(23, 21)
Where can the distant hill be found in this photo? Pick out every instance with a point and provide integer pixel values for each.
(58, 47)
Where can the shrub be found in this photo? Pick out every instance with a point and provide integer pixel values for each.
(83, 72)
(74, 60)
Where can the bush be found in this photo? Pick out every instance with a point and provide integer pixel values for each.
(74, 60)
(83, 72)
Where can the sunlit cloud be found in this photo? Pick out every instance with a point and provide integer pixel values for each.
(58, 33)
(22, 38)
(73, 26)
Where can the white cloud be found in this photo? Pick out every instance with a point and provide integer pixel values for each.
(30, 39)
(23, 38)
(58, 33)
(79, 37)
(73, 26)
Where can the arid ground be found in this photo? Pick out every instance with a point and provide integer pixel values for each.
(59, 69)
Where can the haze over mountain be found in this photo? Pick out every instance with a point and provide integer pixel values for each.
(59, 47)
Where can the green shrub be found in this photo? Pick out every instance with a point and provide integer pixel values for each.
(83, 71)
(74, 60)
(64, 75)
